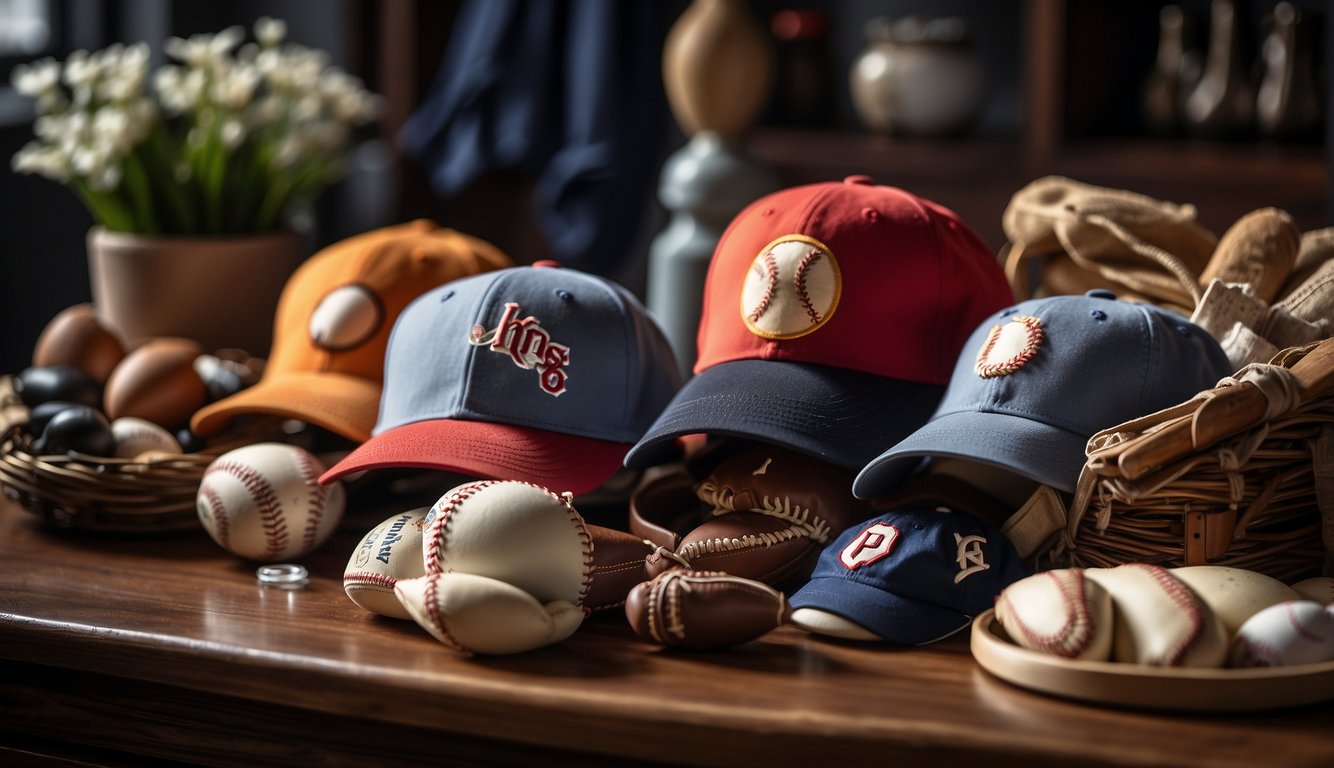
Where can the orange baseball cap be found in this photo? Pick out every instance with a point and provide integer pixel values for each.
(333, 321)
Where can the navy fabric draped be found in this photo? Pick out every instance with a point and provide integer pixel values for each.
(568, 92)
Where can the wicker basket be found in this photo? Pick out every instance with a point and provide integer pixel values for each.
(92, 493)
(1251, 499)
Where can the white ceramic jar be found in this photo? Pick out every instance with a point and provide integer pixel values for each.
(918, 77)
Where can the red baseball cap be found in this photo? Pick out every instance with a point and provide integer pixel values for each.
(833, 315)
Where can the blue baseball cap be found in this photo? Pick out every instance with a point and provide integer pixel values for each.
(540, 374)
(1036, 380)
(914, 575)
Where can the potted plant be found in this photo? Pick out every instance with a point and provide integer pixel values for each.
(194, 179)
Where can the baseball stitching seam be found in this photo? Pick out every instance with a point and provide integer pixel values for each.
(585, 540)
(433, 613)
(1299, 627)
(771, 268)
(370, 579)
(799, 283)
(435, 544)
(1035, 336)
(270, 510)
(1184, 599)
(219, 512)
(1072, 637)
(315, 505)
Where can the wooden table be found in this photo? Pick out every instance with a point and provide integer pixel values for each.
(115, 651)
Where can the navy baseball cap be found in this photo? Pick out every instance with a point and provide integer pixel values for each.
(1036, 380)
(540, 374)
(912, 576)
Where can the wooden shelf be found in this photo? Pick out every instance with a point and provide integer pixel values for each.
(976, 177)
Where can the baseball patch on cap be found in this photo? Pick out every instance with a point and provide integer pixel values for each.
(347, 317)
(528, 345)
(791, 288)
(1009, 346)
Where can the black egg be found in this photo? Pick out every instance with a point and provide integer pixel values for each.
(78, 428)
(57, 382)
(220, 376)
(40, 415)
(189, 441)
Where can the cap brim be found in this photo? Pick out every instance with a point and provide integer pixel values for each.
(345, 405)
(1041, 452)
(841, 416)
(553, 460)
(895, 618)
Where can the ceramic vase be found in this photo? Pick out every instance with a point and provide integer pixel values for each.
(219, 291)
(918, 78)
(717, 67)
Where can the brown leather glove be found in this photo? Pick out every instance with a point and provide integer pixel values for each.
(704, 610)
(762, 513)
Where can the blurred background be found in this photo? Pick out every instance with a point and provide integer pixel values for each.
(1089, 89)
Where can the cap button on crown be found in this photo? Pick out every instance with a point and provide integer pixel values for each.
(1101, 293)
(859, 179)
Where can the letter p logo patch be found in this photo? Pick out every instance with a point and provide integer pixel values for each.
(871, 544)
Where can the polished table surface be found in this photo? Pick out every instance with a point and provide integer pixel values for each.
(168, 648)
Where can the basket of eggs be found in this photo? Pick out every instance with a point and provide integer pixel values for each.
(96, 437)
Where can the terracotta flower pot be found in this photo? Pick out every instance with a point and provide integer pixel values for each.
(219, 291)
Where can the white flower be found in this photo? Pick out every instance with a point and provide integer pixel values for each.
(179, 89)
(270, 32)
(80, 70)
(112, 126)
(232, 132)
(235, 87)
(204, 51)
(38, 79)
(307, 108)
(42, 160)
(123, 76)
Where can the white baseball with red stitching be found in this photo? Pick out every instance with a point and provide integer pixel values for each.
(1058, 612)
(1159, 620)
(1283, 635)
(389, 553)
(515, 532)
(264, 502)
(791, 288)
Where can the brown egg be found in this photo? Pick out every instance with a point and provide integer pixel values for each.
(157, 382)
(77, 338)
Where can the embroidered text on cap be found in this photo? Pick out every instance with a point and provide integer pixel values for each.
(529, 346)
(791, 288)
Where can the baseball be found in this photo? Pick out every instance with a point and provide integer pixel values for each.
(135, 436)
(1234, 594)
(1294, 632)
(478, 614)
(514, 532)
(390, 552)
(791, 288)
(1317, 588)
(1058, 612)
(264, 502)
(1159, 620)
